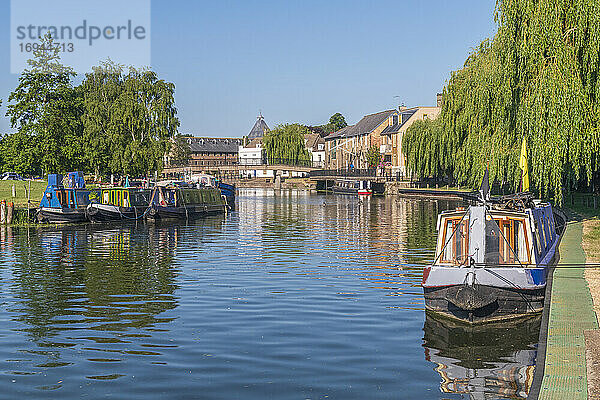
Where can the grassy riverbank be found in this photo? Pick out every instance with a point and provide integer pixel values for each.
(591, 245)
(37, 190)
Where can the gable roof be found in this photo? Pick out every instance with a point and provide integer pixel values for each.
(338, 133)
(259, 129)
(313, 140)
(366, 125)
(254, 143)
(404, 117)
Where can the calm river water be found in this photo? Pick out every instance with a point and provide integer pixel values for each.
(293, 296)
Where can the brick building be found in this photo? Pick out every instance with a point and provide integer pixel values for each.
(206, 155)
(348, 147)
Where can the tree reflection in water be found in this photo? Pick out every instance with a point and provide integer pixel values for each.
(484, 362)
(92, 279)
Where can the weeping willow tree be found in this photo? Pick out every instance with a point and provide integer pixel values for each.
(538, 78)
(286, 145)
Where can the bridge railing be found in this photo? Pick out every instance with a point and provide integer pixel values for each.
(358, 173)
(282, 161)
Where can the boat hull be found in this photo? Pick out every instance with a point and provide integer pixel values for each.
(109, 213)
(229, 192)
(354, 192)
(61, 215)
(482, 303)
(156, 213)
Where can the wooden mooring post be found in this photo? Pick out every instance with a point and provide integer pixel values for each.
(28, 198)
(10, 208)
(3, 212)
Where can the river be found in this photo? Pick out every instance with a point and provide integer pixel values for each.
(292, 296)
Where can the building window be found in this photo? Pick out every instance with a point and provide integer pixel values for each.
(395, 119)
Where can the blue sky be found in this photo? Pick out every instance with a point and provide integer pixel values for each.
(298, 61)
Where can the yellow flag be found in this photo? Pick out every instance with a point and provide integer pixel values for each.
(523, 166)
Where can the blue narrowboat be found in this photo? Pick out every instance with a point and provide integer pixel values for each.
(228, 191)
(62, 204)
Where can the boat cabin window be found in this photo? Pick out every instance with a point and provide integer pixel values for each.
(542, 233)
(61, 196)
(66, 198)
(82, 197)
(506, 242)
(457, 246)
(141, 198)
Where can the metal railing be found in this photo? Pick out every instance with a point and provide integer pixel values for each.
(282, 161)
(359, 173)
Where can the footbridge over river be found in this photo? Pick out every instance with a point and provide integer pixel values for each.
(325, 179)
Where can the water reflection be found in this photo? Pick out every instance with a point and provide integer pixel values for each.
(88, 287)
(293, 295)
(491, 361)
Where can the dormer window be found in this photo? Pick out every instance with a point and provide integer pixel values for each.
(395, 119)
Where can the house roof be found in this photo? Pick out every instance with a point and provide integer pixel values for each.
(366, 125)
(338, 134)
(259, 129)
(313, 140)
(214, 145)
(254, 143)
(404, 117)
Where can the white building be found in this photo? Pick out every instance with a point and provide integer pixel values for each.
(315, 145)
(253, 155)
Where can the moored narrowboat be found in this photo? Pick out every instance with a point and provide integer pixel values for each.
(352, 187)
(184, 203)
(116, 204)
(62, 204)
(228, 191)
(493, 259)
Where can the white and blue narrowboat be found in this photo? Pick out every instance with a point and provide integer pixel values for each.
(493, 259)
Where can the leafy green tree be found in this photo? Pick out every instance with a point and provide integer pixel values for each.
(538, 78)
(286, 145)
(180, 151)
(101, 88)
(373, 157)
(129, 117)
(45, 110)
(336, 122)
